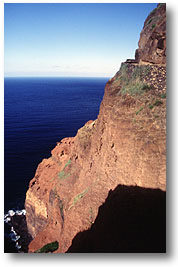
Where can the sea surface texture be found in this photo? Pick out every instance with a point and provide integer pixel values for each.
(38, 113)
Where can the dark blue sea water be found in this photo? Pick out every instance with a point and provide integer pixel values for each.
(38, 113)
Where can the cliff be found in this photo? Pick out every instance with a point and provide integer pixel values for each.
(125, 145)
(152, 43)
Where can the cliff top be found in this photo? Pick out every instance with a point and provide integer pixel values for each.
(152, 43)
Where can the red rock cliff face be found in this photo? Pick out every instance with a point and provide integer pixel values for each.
(125, 145)
(152, 43)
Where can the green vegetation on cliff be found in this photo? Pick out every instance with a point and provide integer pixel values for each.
(50, 247)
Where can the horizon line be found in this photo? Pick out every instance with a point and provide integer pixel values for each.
(57, 77)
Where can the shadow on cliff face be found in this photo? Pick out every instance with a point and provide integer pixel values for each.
(132, 219)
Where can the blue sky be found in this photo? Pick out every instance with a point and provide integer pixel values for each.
(70, 39)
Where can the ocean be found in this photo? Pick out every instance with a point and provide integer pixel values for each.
(38, 112)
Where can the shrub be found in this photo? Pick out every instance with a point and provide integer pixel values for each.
(146, 87)
(163, 96)
(149, 21)
(131, 80)
(140, 109)
(136, 72)
(135, 88)
(77, 197)
(158, 102)
(63, 175)
(50, 247)
(67, 164)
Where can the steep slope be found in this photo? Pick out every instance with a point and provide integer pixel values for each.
(125, 145)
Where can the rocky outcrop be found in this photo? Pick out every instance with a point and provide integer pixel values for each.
(152, 43)
(125, 145)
